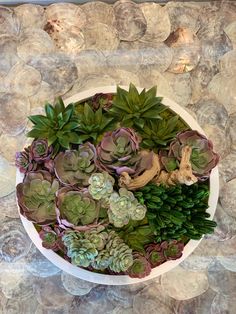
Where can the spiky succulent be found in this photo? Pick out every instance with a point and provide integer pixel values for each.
(58, 126)
(118, 152)
(133, 109)
(81, 251)
(101, 185)
(140, 267)
(155, 255)
(36, 197)
(121, 254)
(24, 161)
(74, 167)
(158, 134)
(92, 125)
(203, 159)
(76, 207)
(123, 207)
(40, 151)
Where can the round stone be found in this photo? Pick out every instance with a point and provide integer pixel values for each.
(99, 12)
(8, 54)
(228, 262)
(232, 130)
(23, 79)
(230, 31)
(129, 20)
(181, 284)
(101, 36)
(9, 23)
(123, 77)
(14, 306)
(30, 15)
(7, 177)
(227, 167)
(34, 42)
(89, 61)
(223, 304)
(44, 95)
(51, 293)
(11, 144)
(124, 59)
(227, 197)
(38, 265)
(228, 63)
(58, 70)
(76, 286)
(14, 110)
(158, 22)
(8, 206)
(47, 310)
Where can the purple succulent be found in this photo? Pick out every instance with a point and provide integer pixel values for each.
(40, 151)
(154, 255)
(103, 101)
(140, 267)
(118, 152)
(24, 161)
(203, 159)
(172, 250)
(51, 238)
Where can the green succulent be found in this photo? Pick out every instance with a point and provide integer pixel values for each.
(101, 185)
(123, 207)
(121, 254)
(58, 126)
(81, 251)
(97, 236)
(36, 197)
(92, 125)
(158, 134)
(132, 109)
(77, 207)
(74, 167)
(103, 260)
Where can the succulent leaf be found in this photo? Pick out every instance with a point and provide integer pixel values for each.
(101, 185)
(140, 267)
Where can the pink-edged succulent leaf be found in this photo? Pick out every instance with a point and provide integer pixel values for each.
(50, 238)
(154, 255)
(40, 151)
(172, 250)
(36, 197)
(74, 167)
(24, 162)
(140, 268)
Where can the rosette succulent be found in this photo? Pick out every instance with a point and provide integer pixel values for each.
(155, 255)
(101, 185)
(40, 151)
(51, 238)
(24, 161)
(140, 267)
(121, 254)
(101, 100)
(203, 158)
(81, 251)
(76, 207)
(97, 236)
(123, 207)
(172, 250)
(118, 152)
(36, 197)
(74, 167)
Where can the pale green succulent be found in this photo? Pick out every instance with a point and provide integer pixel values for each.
(101, 185)
(97, 236)
(81, 251)
(103, 260)
(122, 257)
(123, 207)
(76, 207)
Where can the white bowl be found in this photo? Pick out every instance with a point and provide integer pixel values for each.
(123, 279)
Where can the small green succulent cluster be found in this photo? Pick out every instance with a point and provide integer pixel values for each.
(101, 185)
(177, 211)
(99, 249)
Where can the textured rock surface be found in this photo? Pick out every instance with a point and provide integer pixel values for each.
(63, 49)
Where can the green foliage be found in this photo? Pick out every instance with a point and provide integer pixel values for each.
(93, 124)
(58, 126)
(160, 133)
(174, 212)
(132, 109)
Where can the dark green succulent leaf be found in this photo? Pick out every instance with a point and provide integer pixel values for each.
(98, 116)
(152, 114)
(59, 106)
(49, 110)
(37, 133)
(40, 120)
(64, 142)
(52, 139)
(70, 126)
(89, 114)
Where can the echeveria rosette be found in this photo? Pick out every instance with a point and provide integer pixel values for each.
(51, 238)
(101, 185)
(155, 255)
(101, 100)
(81, 251)
(118, 152)
(140, 267)
(203, 158)
(97, 236)
(40, 151)
(36, 197)
(76, 207)
(172, 250)
(74, 167)
(24, 162)
(102, 261)
(123, 207)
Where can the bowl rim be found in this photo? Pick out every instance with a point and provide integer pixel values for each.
(123, 279)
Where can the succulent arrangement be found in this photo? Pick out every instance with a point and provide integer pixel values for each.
(116, 183)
